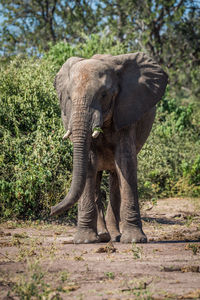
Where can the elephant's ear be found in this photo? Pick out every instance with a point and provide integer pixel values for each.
(142, 84)
(61, 83)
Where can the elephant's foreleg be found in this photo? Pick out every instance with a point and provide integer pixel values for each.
(126, 166)
(113, 210)
(99, 197)
(87, 214)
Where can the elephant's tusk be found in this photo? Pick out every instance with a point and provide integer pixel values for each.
(95, 134)
(66, 135)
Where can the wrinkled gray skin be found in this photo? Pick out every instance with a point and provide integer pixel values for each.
(117, 94)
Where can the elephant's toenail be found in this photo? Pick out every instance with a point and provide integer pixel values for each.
(144, 240)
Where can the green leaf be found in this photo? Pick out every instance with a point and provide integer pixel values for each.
(98, 129)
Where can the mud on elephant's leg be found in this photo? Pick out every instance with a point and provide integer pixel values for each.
(87, 213)
(126, 166)
(113, 210)
(100, 198)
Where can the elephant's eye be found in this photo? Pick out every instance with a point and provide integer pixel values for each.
(103, 95)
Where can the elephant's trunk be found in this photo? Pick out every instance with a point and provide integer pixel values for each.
(81, 139)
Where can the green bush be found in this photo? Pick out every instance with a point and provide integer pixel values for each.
(94, 44)
(35, 163)
(169, 161)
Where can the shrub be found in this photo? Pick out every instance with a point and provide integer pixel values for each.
(101, 44)
(169, 161)
(35, 163)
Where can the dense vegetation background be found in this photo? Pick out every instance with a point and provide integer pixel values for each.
(36, 39)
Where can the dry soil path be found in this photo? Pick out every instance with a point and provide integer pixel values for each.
(37, 260)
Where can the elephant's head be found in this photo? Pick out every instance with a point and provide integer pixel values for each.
(92, 91)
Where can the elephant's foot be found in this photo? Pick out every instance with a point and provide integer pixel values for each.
(86, 236)
(115, 236)
(104, 236)
(133, 234)
(103, 233)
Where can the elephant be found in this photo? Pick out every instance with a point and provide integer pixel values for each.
(108, 108)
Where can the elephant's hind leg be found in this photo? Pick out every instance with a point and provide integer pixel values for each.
(113, 210)
(102, 231)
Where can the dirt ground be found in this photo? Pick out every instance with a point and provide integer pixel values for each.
(39, 261)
